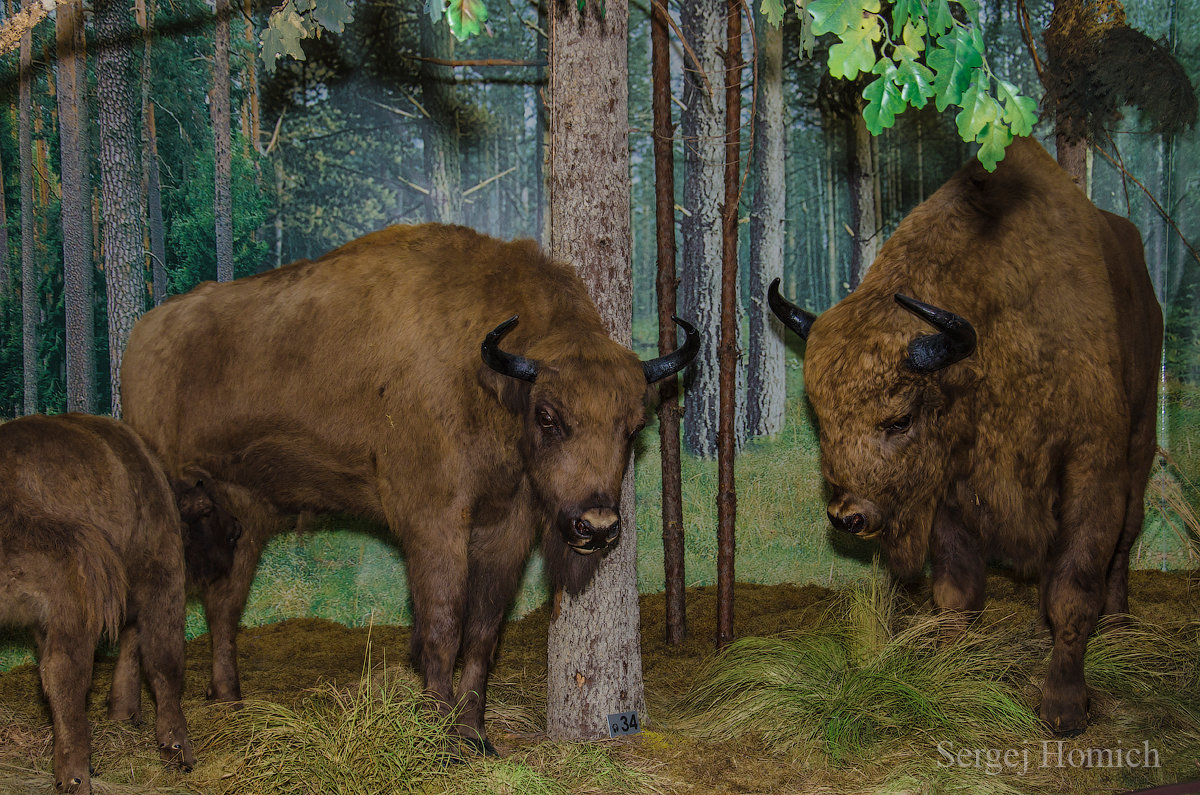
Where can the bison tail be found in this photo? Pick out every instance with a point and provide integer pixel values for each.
(101, 581)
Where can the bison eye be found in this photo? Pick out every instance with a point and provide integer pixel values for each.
(898, 425)
(547, 420)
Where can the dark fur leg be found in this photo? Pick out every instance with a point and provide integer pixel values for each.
(958, 572)
(160, 600)
(1073, 592)
(125, 697)
(495, 572)
(66, 672)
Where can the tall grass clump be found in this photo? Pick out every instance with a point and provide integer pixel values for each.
(382, 736)
(852, 688)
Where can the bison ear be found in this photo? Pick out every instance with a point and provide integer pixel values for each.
(512, 393)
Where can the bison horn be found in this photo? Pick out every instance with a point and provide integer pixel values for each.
(676, 360)
(932, 352)
(507, 363)
(792, 316)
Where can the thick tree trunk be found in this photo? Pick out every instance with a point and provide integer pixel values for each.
(666, 285)
(218, 106)
(29, 280)
(594, 655)
(703, 132)
(765, 377)
(729, 351)
(120, 179)
(5, 266)
(442, 155)
(76, 195)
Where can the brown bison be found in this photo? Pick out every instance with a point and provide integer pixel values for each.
(1023, 429)
(91, 543)
(372, 382)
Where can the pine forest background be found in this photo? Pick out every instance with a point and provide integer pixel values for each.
(375, 127)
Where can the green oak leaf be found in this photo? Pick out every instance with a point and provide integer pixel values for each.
(855, 52)
(1020, 112)
(808, 42)
(979, 107)
(466, 17)
(914, 42)
(995, 137)
(302, 6)
(954, 60)
(915, 82)
(332, 14)
(839, 16)
(883, 97)
(939, 17)
(282, 37)
(773, 11)
(904, 10)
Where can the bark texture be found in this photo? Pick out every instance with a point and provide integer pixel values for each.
(120, 179)
(218, 104)
(29, 281)
(442, 161)
(594, 655)
(765, 377)
(76, 215)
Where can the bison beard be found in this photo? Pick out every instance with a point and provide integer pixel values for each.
(89, 545)
(384, 380)
(1012, 416)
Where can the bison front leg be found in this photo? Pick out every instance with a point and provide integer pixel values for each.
(958, 572)
(65, 666)
(497, 563)
(1072, 590)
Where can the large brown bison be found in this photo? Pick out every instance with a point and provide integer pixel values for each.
(91, 543)
(1023, 429)
(372, 382)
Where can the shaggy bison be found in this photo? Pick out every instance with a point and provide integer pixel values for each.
(383, 380)
(90, 543)
(1023, 429)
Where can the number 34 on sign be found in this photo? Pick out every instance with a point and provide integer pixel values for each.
(621, 723)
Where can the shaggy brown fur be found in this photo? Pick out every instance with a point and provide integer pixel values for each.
(355, 384)
(1035, 449)
(90, 544)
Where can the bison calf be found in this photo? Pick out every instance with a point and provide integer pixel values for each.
(91, 543)
(1009, 412)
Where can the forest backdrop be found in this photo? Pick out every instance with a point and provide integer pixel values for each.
(216, 163)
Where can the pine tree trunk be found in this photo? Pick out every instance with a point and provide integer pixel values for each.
(833, 267)
(218, 105)
(76, 195)
(665, 286)
(594, 654)
(765, 372)
(120, 178)
(5, 266)
(728, 351)
(442, 157)
(703, 132)
(150, 167)
(29, 280)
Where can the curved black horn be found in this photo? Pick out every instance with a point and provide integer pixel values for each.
(507, 363)
(676, 360)
(932, 352)
(792, 316)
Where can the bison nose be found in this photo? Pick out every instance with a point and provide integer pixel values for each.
(597, 528)
(854, 523)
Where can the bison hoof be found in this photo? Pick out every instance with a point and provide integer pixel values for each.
(75, 785)
(1065, 718)
(217, 692)
(483, 746)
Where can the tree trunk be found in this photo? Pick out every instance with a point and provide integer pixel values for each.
(5, 262)
(666, 285)
(594, 655)
(861, 168)
(120, 179)
(218, 106)
(29, 280)
(729, 350)
(76, 201)
(702, 122)
(833, 267)
(156, 242)
(765, 378)
(442, 156)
